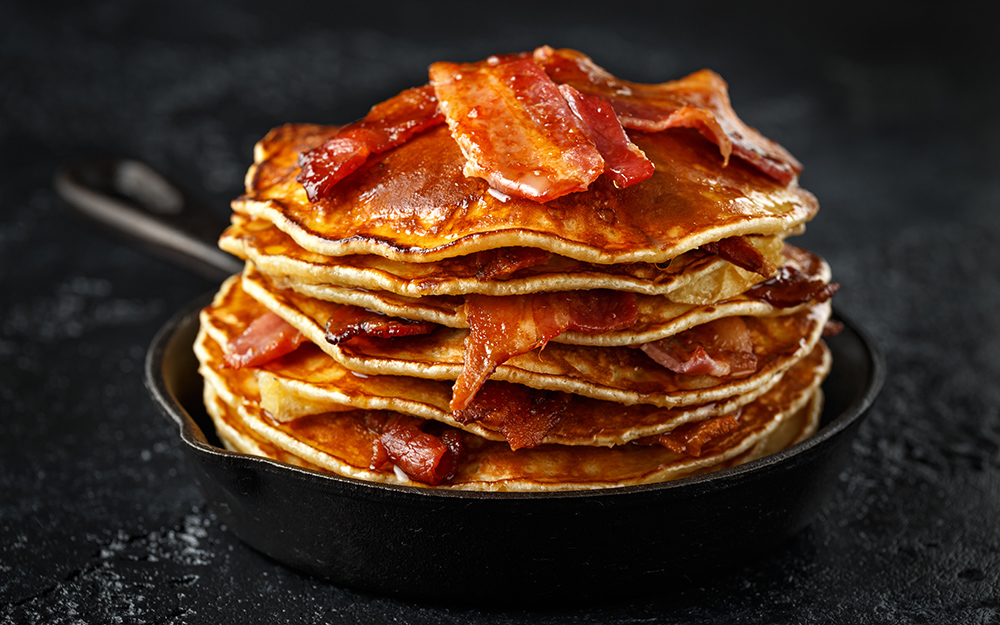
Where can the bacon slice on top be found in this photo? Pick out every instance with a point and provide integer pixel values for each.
(503, 327)
(699, 101)
(624, 162)
(387, 125)
(514, 127)
(545, 124)
(266, 338)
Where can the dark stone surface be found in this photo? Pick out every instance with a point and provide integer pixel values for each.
(892, 109)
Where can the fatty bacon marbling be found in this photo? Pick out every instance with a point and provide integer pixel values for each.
(624, 162)
(529, 137)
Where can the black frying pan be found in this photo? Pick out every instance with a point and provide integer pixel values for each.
(487, 547)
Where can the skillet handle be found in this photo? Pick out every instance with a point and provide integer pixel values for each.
(134, 200)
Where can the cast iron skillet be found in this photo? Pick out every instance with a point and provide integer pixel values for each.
(494, 547)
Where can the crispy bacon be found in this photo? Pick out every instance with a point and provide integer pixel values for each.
(791, 287)
(648, 118)
(699, 101)
(266, 338)
(502, 262)
(528, 136)
(723, 347)
(348, 322)
(514, 127)
(523, 415)
(503, 327)
(741, 253)
(422, 456)
(832, 327)
(387, 125)
(690, 439)
(624, 162)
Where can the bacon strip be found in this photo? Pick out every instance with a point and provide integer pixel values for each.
(387, 125)
(505, 261)
(348, 322)
(422, 456)
(723, 347)
(741, 253)
(523, 415)
(266, 338)
(832, 327)
(514, 127)
(624, 162)
(690, 439)
(791, 287)
(699, 101)
(503, 327)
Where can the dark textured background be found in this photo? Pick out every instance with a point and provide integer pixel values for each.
(893, 110)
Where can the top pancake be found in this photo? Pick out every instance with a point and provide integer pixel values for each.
(414, 204)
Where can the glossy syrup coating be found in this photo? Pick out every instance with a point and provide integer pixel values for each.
(342, 441)
(413, 203)
(621, 374)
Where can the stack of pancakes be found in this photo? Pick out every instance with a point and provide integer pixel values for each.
(381, 277)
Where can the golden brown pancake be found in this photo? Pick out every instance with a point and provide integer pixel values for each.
(341, 442)
(694, 277)
(237, 437)
(620, 374)
(658, 316)
(310, 381)
(789, 432)
(414, 204)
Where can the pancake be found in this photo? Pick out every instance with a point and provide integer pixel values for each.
(309, 381)
(789, 432)
(695, 277)
(237, 437)
(341, 442)
(658, 316)
(233, 434)
(619, 374)
(413, 203)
